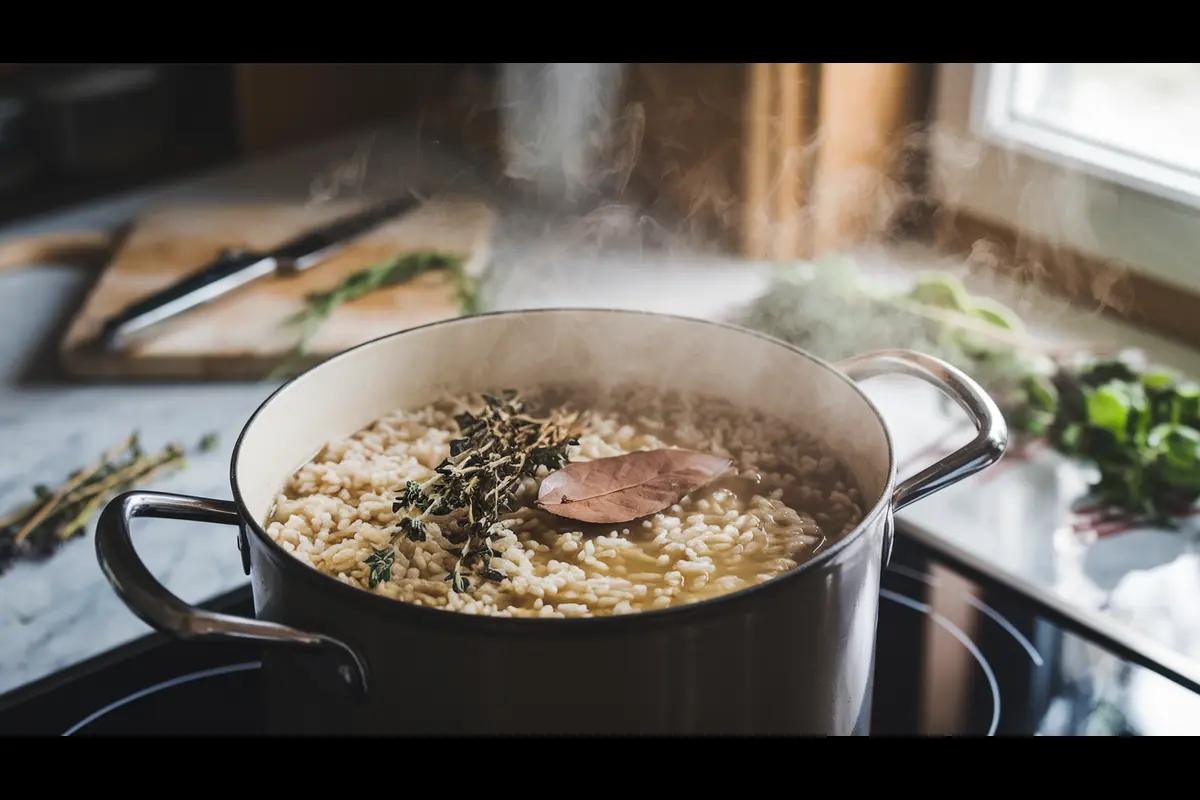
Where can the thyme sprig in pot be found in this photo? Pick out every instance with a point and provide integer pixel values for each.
(476, 485)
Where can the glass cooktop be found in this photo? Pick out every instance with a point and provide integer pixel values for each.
(957, 655)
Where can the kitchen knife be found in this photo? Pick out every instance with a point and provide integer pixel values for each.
(234, 269)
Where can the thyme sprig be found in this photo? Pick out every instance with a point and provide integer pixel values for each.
(476, 485)
(319, 306)
(40, 527)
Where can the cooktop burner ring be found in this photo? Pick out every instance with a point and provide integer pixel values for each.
(215, 672)
(964, 640)
(1034, 655)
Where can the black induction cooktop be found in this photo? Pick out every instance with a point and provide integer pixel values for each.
(957, 655)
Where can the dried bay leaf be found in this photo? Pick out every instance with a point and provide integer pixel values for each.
(624, 488)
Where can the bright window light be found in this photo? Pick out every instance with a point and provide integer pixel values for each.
(1137, 125)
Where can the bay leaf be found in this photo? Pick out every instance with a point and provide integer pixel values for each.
(624, 488)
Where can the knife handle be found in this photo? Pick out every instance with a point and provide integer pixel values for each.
(229, 271)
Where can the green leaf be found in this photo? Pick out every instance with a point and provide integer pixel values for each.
(1177, 449)
(1158, 381)
(1108, 409)
(996, 314)
(380, 563)
(1071, 438)
(1036, 406)
(1042, 394)
(401, 269)
(1108, 370)
(1188, 391)
(1033, 423)
(940, 290)
(467, 291)
(1184, 405)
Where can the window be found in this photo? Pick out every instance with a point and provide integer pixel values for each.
(1102, 158)
(1135, 124)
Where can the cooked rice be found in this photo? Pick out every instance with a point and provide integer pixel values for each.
(733, 533)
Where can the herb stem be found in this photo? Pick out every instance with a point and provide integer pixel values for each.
(319, 306)
(54, 517)
(81, 518)
(20, 515)
(971, 324)
(475, 485)
(142, 468)
(67, 487)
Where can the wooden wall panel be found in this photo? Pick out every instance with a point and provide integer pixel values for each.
(864, 111)
(281, 105)
(781, 160)
(692, 147)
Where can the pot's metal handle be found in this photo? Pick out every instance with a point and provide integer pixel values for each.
(984, 450)
(155, 605)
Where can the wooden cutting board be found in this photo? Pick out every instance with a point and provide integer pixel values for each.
(241, 336)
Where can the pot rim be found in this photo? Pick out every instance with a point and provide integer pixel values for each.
(438, 616)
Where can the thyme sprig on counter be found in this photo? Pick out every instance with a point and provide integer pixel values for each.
(477, 484)
(39, 528)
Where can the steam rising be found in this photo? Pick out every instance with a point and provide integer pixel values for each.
(557, 120)
(1056, 243)
(593, 167)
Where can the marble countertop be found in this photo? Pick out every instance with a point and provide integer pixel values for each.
(62, 611)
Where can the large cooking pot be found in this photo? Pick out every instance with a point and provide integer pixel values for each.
(792, 655)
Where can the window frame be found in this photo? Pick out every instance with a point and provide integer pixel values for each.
(993, 117)
(984, 166)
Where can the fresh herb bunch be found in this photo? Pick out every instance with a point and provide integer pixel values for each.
(39, 528)
(1139, 426)
(319, 306)
(476, 485)
(828, 309)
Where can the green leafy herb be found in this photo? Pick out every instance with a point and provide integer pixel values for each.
(380, 562)
(1139, 427)
(37, 529)
(319, 306)
(476, 485)
(828, 309)
(467, 292)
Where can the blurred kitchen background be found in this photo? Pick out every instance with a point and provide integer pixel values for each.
(1020, 214)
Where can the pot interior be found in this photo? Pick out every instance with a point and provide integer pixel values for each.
(527, 350)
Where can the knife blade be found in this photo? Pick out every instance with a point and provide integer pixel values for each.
(234, 269)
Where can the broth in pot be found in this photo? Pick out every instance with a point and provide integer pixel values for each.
(779, 501)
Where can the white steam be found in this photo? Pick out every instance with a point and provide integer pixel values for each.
(556, 122)
(574, 142)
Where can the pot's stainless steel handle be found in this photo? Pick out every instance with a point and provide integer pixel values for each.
(160, 609)
(984, 450)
